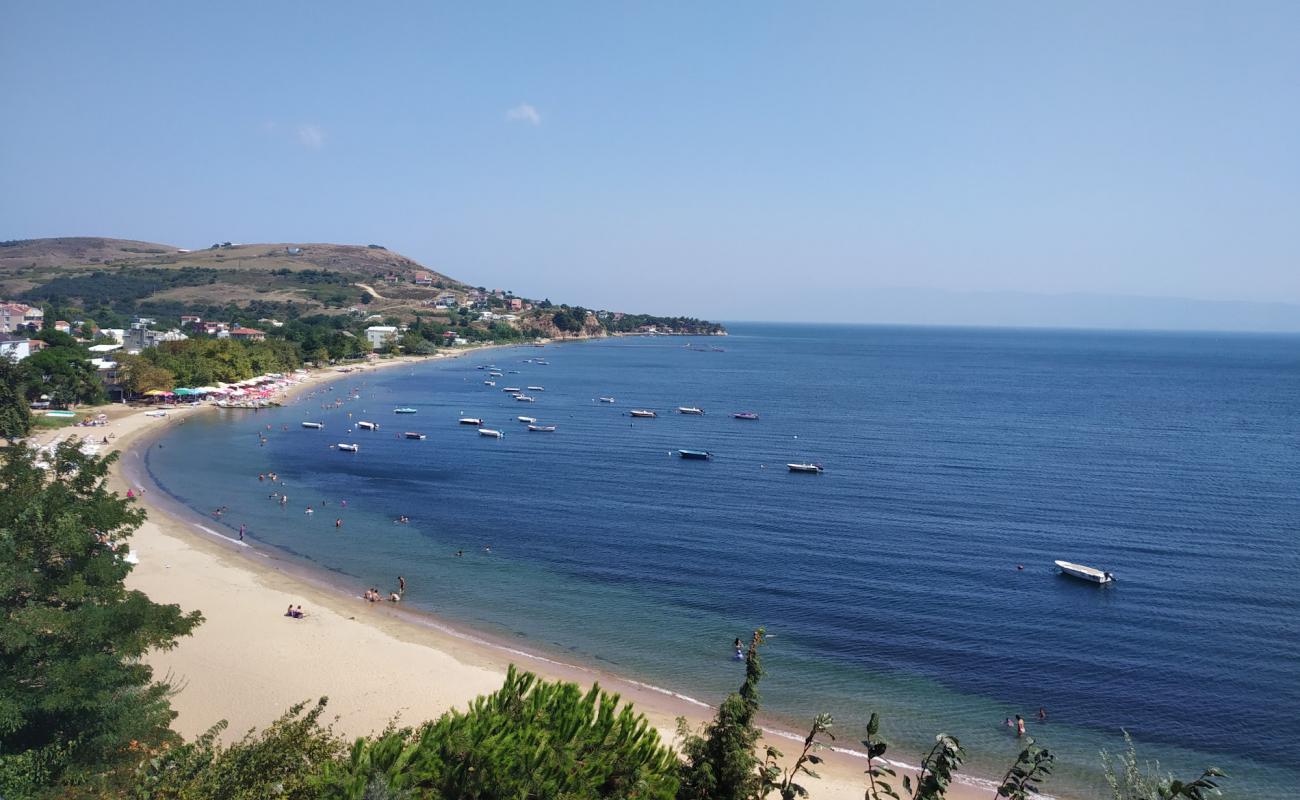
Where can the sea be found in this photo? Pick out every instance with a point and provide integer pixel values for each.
(914, 577)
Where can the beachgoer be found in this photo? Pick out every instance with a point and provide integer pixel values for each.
(284, 499)
(130, 493)
(394, 598)
(1010, 723)
(338, 523)
(401, 583)
(309, 510)
(289, 612)
(1042, 714)
(261, 476)
(345, 503)
(1020, 726)
(242, 528)
(460, 553)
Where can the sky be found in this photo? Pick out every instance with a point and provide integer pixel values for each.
(757, 160)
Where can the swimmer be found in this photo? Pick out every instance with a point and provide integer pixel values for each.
(309, 510)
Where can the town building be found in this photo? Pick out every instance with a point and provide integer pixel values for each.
(380, 335)
(20, 315)
(13, 347)
(247, 334)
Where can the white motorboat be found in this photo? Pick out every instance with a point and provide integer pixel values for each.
(414, 435)
(536, 388)
(606, 399)
(512, 390)
(489, 383)
(523, 398)
(367, 426)
(542, 428)
(815, 468)
(528, 420)
(315, 426)
(491, 433)
(475, 421)
(692, 410)
(349, 448)
(1090, 574)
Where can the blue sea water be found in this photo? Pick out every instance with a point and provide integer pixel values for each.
(888, 583)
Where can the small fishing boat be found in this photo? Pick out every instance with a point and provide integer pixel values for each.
(494, 374)
(643, 413)
(512, 390)
(367, 426)
(606, 399)
(542, 428)
(523, 398)
(543, 363)
(413, 435)
(491, 433)
(745, 415)
(814, 468)
(489, 383)
(698, 455)
(403, 410)
(692, 410)
(536, 388)
(529, 420)
(349, 448)
(475, 421)
(315, 426)
(1090, 574)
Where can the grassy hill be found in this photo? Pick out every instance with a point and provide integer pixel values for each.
(314, 277)
(112, 278)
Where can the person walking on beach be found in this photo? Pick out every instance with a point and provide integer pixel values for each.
(1020, 726)
(242, 528)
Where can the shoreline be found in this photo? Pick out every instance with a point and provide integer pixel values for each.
(248, 664)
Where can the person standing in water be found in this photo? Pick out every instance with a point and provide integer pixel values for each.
(242, 528)
(1020, 726)
(401, 583)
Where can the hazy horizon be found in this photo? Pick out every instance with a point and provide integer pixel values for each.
(1006, 164)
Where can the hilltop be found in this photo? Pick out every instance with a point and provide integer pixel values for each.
(282, 280)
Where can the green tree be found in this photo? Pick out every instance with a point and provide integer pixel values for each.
(1130, 779)
(138, 375)
(74, 694)
(15, 418)
(529, 739)
(721, 763)
(281, 761)
(65, 374)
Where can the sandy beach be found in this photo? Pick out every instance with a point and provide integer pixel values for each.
(248, 662)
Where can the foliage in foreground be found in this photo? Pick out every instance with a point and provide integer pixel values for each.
(530, 738)
(76, 701)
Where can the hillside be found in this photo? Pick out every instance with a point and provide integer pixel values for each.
(284, 280)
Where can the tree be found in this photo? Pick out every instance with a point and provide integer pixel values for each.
(138, 375)
(530, 738)
(65, 374)
(74, 694)
(15, 418)
(721, 764)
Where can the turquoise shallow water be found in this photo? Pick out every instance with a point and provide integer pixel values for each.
(887, 583)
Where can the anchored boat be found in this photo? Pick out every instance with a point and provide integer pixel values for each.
(1090, 574)
(745, 415)
(815, 468)
(542, 428)
(349, 448)
(606, 399)
(523, 398)
(491, 433)
(367, 426)
(313, 425)
(475, 421)
(698, 455)
(643, 413)
(413, 435)
(403, 410)
(693, 410)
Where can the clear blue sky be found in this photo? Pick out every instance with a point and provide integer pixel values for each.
(749, 160)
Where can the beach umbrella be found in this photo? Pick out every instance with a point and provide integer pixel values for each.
(183, 392)
(155, 393)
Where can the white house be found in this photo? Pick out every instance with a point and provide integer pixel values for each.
(15, 348)
(380, 335)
